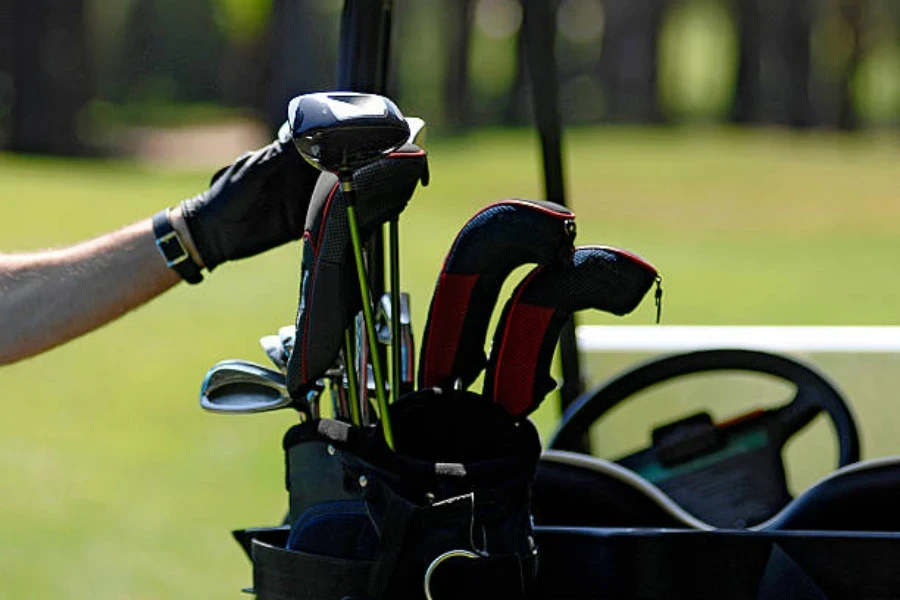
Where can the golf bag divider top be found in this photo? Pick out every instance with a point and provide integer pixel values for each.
(445, 516)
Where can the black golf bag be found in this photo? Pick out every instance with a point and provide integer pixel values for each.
(445, 516)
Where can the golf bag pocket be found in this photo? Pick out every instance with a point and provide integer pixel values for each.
(340, 529)
(445, 516)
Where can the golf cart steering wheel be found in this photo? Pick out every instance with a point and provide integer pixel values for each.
(729, 474)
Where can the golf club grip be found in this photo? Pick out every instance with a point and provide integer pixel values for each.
(598, 277)
(329, 287)
(494, 242)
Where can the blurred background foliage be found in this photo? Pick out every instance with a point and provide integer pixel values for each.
(72, 72)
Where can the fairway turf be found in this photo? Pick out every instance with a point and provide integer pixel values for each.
(115, 483)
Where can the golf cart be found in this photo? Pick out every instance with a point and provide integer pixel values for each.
(422, 489)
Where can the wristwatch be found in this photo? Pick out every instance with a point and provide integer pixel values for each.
(172, 249)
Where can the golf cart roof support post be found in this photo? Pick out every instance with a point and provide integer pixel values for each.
(539, 29)
(364, 66)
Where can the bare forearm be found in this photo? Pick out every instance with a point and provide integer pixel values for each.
(50, 297)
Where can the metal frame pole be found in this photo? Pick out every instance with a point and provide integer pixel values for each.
(539, 29)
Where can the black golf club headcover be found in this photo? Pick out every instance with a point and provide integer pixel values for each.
(329, 287)
(498, 239)
(599, 277)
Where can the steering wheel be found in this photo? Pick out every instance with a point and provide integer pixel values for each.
(729, 474)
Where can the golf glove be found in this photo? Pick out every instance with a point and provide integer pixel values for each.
(255, 204)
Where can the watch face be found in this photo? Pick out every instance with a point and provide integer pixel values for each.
(172, 250)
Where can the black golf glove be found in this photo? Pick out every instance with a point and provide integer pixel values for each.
(257, 203)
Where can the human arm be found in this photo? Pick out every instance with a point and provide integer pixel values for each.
(49, 297)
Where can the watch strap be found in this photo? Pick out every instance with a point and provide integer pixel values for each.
(172, 249)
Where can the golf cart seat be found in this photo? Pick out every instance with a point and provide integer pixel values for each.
(602, 529)
(860, 497)
(577, 490)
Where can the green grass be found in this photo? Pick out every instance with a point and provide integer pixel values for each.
(118, 486)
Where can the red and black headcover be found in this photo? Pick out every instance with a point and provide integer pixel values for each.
(497, 240)
(598, 277)
(329, 288)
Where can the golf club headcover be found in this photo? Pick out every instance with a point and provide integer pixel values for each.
(603, 278)
(329, 288)
(497, 240)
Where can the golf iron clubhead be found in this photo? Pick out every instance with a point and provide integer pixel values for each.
(329, 290)
(239, 386)
(494, 242)
(286, 335)
(599, 277)
(275, 350)
(407, 344)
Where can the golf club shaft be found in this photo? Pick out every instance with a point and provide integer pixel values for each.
(352, 384)
(368, 318)
(362, 367)
(333, 391)
(396, 349)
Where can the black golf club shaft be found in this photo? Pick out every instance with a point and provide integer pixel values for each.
(396, 350)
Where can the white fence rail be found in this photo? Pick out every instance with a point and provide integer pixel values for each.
(681, 338)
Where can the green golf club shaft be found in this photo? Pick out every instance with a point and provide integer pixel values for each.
(353, 388)
(367, 314)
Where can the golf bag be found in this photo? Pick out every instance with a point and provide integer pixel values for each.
(445, 516)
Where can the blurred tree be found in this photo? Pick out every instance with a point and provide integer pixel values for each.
(6, 66)
(851, 11)
(50, 75)
(516, 110)
(746, 90)
(698, 61)
(301, 54)
(418, 55)
(580, 43)
(794, 28)
(172, 53)
(459, 16)
(494, 60)
(242, 68)
(628, 66)
(774, 64)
